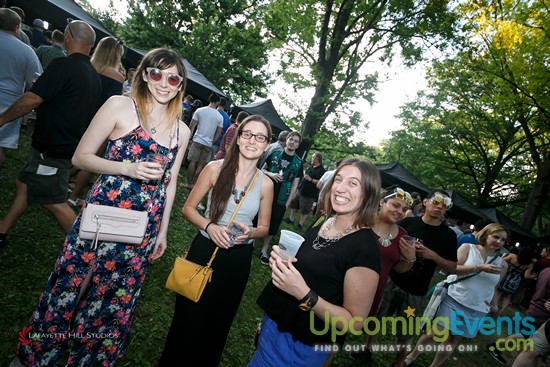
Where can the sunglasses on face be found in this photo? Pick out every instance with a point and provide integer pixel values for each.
(445, 201)
(155, 74)
(247, 134)
(401, 194)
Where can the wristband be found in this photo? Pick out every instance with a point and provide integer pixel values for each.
(309, 301)
(206, 228)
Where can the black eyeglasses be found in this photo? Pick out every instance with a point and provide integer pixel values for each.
(247, 134)
(69, 20)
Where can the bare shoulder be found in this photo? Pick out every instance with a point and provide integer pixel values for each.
(267, 184)
(114, 74)
(120, 103)
(185, 133)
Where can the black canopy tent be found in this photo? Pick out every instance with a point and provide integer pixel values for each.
(56, 12)
(267, 110)
(396, 174)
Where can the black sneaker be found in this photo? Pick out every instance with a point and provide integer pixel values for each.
(497, 356)
(299, 226)
(288, 220)
(264, 259)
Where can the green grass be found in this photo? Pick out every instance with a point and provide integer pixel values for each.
(35, 242)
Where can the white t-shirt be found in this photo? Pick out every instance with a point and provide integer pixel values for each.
(208, 120)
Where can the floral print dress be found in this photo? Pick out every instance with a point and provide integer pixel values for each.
(96, 330)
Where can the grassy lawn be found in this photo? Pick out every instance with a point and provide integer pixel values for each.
(34, 244)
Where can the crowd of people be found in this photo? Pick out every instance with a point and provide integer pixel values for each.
(371, 252)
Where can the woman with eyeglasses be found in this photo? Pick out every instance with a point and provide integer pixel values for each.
(199, 330)
(86, 308)
(471, 299)
(334, 275)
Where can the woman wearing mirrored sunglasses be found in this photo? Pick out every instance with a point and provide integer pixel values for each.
(93, 290)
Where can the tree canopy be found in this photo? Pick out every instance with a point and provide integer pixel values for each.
(484, 125)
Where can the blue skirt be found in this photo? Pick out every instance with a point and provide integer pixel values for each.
(278, 349)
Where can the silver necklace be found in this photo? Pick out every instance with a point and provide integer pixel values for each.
(385, 242)
(325, 240)
(154, 128)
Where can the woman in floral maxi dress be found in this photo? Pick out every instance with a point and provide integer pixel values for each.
(84, 313)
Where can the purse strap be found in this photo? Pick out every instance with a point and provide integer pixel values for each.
(233, 215)
(471, 275)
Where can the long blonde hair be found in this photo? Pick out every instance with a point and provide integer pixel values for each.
(161, 58)
(107, 55)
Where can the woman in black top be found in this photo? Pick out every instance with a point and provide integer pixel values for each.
(334, 276)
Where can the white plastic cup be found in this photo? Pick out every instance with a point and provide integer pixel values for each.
(289, 244)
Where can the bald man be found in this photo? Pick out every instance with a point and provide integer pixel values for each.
(66, 98)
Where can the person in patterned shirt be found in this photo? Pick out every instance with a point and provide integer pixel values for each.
(47, 53)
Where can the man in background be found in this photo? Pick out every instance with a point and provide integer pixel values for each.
(46, 53)
(17, 73)
(471, 237)
(226, 123)
(284, 168)
(279, 145)
(37, 32)
(308, 193)
(209, 123)
(230, 135)
(66, 98)
(22, 36)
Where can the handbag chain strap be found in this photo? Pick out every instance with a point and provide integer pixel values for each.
(233, 215)
(469, 276)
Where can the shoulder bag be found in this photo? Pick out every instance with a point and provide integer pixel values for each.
(188, 278)
(114, 224)
(439, 291)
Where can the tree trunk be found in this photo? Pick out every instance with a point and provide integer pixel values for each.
(538, 196)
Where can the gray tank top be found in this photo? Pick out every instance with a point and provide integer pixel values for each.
(248, 210)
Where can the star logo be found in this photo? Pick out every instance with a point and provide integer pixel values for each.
(409, 311)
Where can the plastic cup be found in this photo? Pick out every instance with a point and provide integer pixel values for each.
(412, 241)
(289, 243)
(156, 158)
